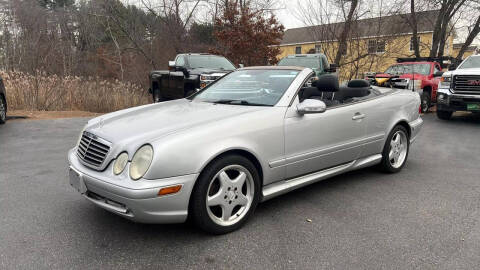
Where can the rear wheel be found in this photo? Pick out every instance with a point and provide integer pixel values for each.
(3, 110)
(395, 151)
(444, 115)
(225, 195)
(426, 101)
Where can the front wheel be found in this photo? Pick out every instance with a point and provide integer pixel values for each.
(157, 96)
(444, 115)
(426, 101)
(395, 151)
(225, 195)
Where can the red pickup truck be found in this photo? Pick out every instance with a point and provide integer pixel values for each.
(413, 75)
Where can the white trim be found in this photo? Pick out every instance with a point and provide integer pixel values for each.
(333, 40)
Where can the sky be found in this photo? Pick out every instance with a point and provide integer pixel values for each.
(287, 12)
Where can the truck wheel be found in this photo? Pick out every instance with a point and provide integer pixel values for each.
(157, 96)
(426, 100)
(395, 151)
(444, 115)
(225, 195)
(3, 111)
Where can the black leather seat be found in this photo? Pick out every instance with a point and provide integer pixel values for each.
(323, 89)
(353, 89)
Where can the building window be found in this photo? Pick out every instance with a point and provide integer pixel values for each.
(318, 48)
(411, 43)
(380, 46)
(298, 50)
(376, 46)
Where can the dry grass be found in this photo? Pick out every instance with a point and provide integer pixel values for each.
(54, 93)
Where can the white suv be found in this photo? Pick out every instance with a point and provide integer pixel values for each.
(459, 89)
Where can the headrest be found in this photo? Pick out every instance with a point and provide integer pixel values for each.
(358, 83)
(327, 83)
(351, 92)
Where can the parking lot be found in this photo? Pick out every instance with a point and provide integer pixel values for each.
(425, 217)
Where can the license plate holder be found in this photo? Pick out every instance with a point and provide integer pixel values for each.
(473, 107)
(76, 181)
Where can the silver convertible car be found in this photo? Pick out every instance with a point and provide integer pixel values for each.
(255, 134)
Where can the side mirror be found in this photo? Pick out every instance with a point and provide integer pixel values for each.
(241, 65)
(309, 106)
(171, 65)
(333, 68)
(452, 67)
(438, 74)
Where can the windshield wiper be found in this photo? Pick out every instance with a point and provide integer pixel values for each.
(237, 102)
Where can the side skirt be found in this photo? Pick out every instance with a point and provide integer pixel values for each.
(282, 187)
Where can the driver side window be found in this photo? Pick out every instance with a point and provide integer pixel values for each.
(180, 61)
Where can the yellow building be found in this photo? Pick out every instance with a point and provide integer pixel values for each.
(373, 45)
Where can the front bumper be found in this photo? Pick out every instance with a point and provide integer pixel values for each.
(447, 101)
(138, 204)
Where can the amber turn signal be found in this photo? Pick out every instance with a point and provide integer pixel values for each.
(169, 190)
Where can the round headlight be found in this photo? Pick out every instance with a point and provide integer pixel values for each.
(141, 162)
(120, 163)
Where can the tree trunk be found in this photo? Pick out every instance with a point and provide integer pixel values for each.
(437, 29)
(414, 29)
(471, 36)
(342, 41)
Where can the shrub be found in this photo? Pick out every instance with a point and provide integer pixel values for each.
(54, 93)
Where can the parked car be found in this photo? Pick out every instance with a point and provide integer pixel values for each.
(186, 74)
(3, 103)
(318, 62)
(459, 89)
(421, 76)
(256, 133)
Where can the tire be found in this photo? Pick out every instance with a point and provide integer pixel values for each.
(395, 153)
(3, 110)
(157, 96)
(426, 101)
(215, 194)
(444, 115)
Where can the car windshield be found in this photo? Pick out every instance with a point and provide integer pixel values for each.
(254, 87)
(471, 62)
(210, 61)
(409, 69)
(313, 63)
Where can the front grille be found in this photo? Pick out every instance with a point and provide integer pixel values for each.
(92, 150)
(466, 84)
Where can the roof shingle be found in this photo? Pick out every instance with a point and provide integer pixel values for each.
(372, 27)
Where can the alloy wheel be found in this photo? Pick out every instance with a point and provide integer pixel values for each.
(398, 149)
(230, 195)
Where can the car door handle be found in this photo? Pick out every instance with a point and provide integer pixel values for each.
(358, 116)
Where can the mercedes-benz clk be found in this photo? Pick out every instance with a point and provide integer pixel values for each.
(255, 134)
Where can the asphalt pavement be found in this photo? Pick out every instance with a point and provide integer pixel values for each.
(425, 217)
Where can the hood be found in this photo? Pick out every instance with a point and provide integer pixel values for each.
(411, 76)
(463, 71)
(150, 122)
(198, 71)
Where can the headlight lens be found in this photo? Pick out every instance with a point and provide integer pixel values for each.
(445, 81)
(141, 162)
(120, 163)
(415, 85)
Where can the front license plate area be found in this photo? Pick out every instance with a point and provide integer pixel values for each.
(473, 107)
(76, 181)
